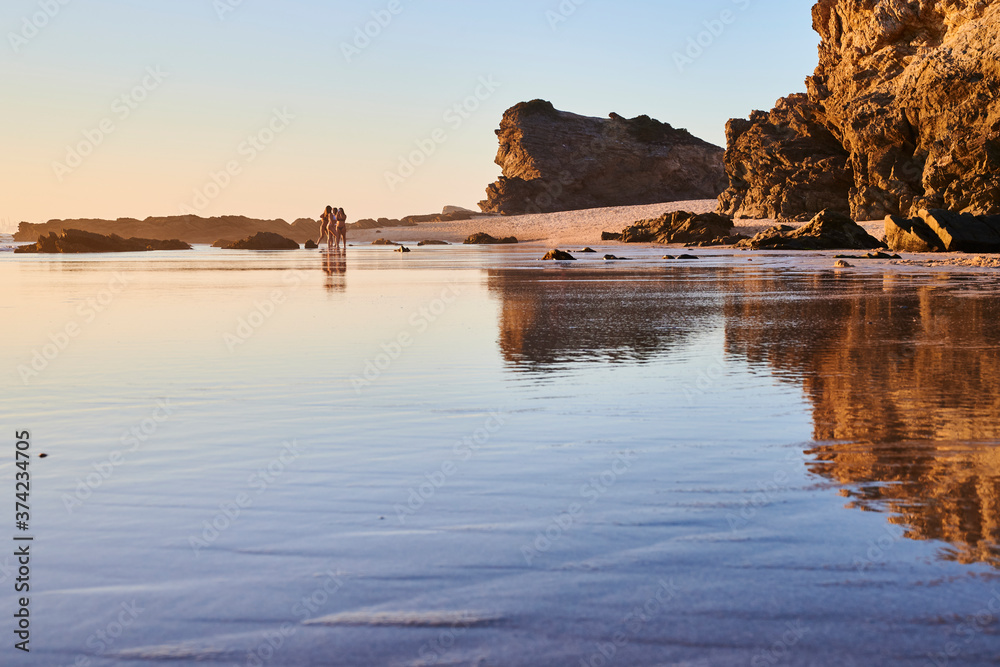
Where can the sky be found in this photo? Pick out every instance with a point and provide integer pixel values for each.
(117, 108)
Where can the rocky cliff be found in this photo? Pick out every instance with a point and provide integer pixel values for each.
(558, 161)
(900, 115)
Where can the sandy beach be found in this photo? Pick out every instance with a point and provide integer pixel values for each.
(569, 228)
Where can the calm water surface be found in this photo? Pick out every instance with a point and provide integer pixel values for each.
(466, 457)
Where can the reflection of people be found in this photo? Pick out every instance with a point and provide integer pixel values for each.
(341, 227)
(327, 223)
(335, 264)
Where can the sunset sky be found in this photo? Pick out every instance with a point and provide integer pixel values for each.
(254, 107)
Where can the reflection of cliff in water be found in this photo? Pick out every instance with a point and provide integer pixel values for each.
(907, 371)
(550, 318)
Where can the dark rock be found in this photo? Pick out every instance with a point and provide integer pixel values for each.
(871, 255)
(423, 243)
(910, 235)
(264, 241)
(558, 161)
(938, 230)
(311, 245)
(77, 241)
(485, 239)
(588, 250)
(383, 242)
(402, 248)
(611, 236)
(827, 231)
(558, 255)
(680, 227)
(679, 257)
(612, 257)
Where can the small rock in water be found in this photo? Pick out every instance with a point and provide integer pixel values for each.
(842, 264)
(558, 255)
(588, 249)
(612, 257)
(402, 248)
(383, 242)
(43, 455)
(423, 243)
(679, 257)
(311, 245)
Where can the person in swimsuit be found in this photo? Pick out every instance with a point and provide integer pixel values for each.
(327, 226)
(341, 227)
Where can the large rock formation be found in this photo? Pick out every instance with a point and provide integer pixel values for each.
(558, 161)
(71, 241)
(900, 115)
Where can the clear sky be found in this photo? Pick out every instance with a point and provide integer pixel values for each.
(117, 108)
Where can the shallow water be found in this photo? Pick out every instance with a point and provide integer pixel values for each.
(463, 456)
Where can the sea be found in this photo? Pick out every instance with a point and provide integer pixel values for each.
(468, 456)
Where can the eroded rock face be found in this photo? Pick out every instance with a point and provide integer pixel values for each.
(558, 161)
(906, 90)
(76, 241)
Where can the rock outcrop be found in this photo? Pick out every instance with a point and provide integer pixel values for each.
(558, 161)
(679, 227)
(77, 241)
(482, 238)
(937, 230)
(900, 116)
(827, 231)
(264, 241)
(558, 256)
(188, 228)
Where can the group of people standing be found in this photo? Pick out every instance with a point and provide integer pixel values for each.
(333, 225)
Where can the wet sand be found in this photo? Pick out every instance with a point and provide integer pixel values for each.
(464, 456)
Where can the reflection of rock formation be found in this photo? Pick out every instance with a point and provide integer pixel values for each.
(936, 491)
(555, 317)
(909, 375)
